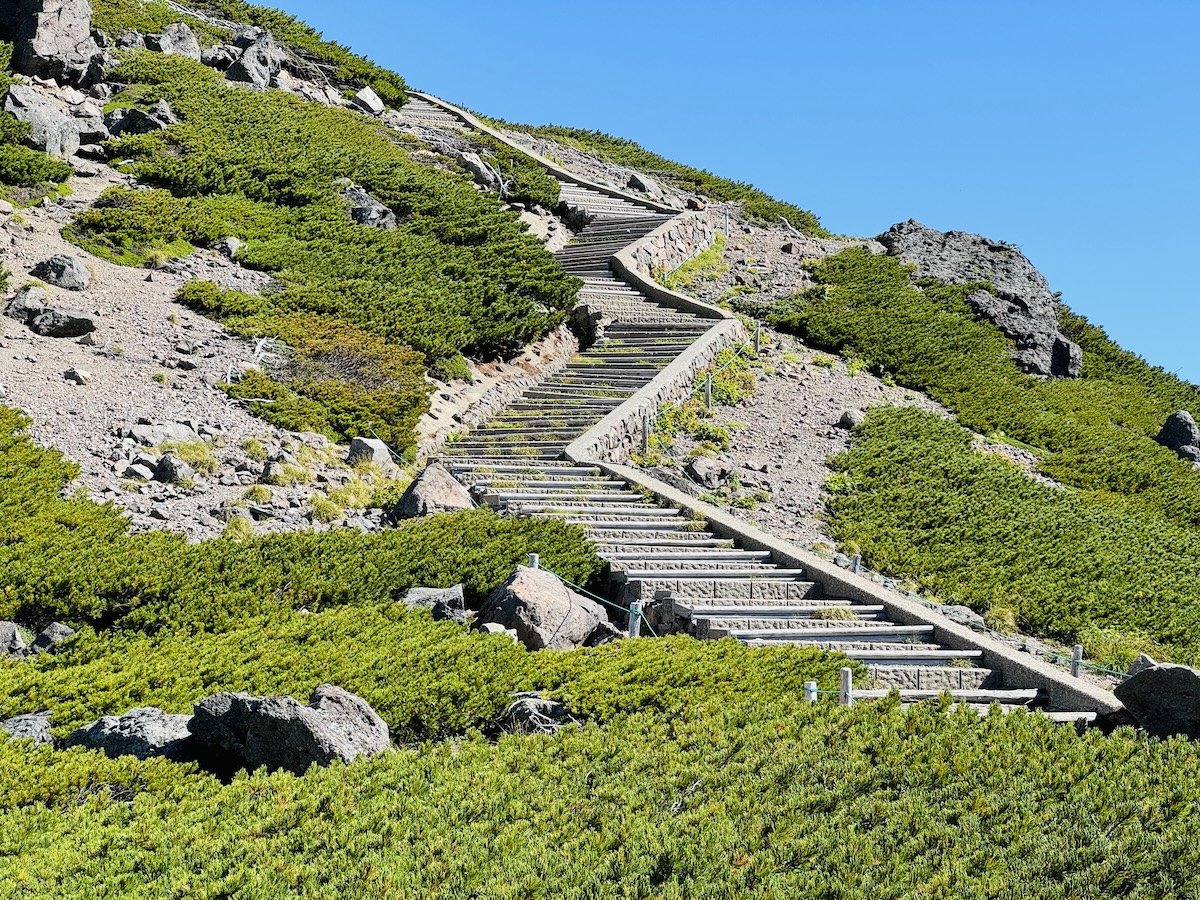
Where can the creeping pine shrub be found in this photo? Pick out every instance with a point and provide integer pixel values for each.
(365, 311)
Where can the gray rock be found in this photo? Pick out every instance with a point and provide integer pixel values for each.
(368, 101)
(131, 120)
(365, 209)
(965, 614)
(229, 247)
(144, 731)
(531, 713)
(79, 376)
(851, 419)
(1021, 306)
(480, 171)
(644, 183)
(1141, 664)
(151, 435)
(369, 450)
(434, 491)
(1164, 700)
(51, 637)
(260, 61)
(1179, 433)
(92, 132)
(280, 733)
(708, 472)
(53, 40)
(176, 39)
(29, 727)
(545, 613)
(173, 470)
(442, 603)
(139, 472)
(51, 130)
(29, 302)
(495, 628)
(59, 322)
(65, 271)
(11, 641)
(220, 57)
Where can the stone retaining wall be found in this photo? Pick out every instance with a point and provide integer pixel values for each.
(682, 239)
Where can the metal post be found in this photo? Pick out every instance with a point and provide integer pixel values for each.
(635, 619)
(726, 223)
(708, 391)
(810, 692)
(757, 338)
(1076, 660)
(645, 435)
(856, 563)
(534, 561)
(846, 694)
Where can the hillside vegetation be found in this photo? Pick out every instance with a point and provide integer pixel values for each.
(1111, 557)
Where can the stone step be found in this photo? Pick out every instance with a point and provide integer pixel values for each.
(656, 544)
(642, 525)
(743, 590)
(614, 497)
(508, 468)
(689, 553)
(582, 509)
(914, 655)
(748, 574)
(1022, 697)
(685, 568)
(931, 678)
(652, 538)
(848, 632)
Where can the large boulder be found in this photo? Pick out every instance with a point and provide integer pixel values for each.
(152, 434)
(434, 491)
(176, 39)
(369, 451)
(1020, 304)
(442, 603)
(131, 120)
(58, 322)
(261, 59)
(281, 733)
(142, 732)
(12, 642)
(708, 472)
(29, 303)
(1163, 699)
(1180, 433)
(545, 613)
(29, 727)
(64, 270)
(51, 130)
(481, 172)
(369, 102)
(52, 39)
(365, 209)
(51, 637)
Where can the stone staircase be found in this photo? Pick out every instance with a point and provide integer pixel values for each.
(685, 576)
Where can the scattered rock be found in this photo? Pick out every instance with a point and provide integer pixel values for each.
(29, 727)
(788, 248)
(29, 302)
(1180, 434)
(1164, 700)
(173, 470)
(12, 643)
(851, 419)
(369, 102)
(220, 57)
(1021, 305)
(365, 209)
(708, 472)
(229, 247)
(131, 120)
(59, 322)
(143, 732)
(79, 376)
(280, 733)
(151, 435)
(176, 39)
(138, 472)
(1141, 664)
(434, 491)
(442, 603)
(65, 271)
(51, 131)
(369, 450)
(51, 637)
(966, 615)
(545, 613)
(480, 171)
(531, 713)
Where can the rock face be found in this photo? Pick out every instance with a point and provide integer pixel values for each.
(1164, 700)
(434, 491)
(65, 271)
(1181, 434)
(366, 210)
(142, 732)
(31, 727)
(1022, 305)
(176, 39)
(52, 39)
(261, 58)
(51, 131)
(280, 733)
(545, 613)
(442, 603)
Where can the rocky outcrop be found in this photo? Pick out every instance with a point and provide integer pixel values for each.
(1180, 433)
(52, 39)
(434, 491)
(1163, 699)
(545, 613)
(365, 209)
(280, 733)
(531, 713)
(175, 39)
(12, 642)
(142, 732)
(131, 120)
(261, 58)
(51, 130)
(442, 603)
(29, 727)
(1020, 303)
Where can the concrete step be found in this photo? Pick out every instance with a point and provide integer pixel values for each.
(634, 538)
(689, 554)
(725, 589)
(1009, 697)
(914, 655)
(577, 509)
(510, 469)
(748, 574)
(931, 678)
(614, 498)
(846, 631)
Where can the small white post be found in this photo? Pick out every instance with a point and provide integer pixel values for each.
(1076, 660)
(645, 435)
(846, 694)
(708, 391)
(810, 692)
(635, 619)
(534, 561)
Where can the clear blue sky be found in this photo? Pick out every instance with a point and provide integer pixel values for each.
(1068, 128)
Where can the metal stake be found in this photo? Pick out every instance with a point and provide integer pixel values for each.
(645, 435)
(635, 619)
(810, 692)
(708, 391)
(534, 561)
(846, 694)
(757, 338)
(1076, 660)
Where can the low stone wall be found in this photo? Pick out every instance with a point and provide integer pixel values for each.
(667, 248)
(619, 434)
